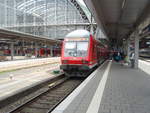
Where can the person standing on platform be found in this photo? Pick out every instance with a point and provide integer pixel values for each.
(132, 60)
(117, 57)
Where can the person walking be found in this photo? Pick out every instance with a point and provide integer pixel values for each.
(132, 60)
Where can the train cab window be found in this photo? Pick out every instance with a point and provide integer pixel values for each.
(70, 49)
(76, 49)
(82, 48)
(70, 45)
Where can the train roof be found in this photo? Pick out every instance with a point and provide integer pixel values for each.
(78, 33)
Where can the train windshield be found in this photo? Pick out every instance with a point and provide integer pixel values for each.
(76, 49)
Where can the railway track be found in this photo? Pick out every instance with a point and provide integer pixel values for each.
(47, 101)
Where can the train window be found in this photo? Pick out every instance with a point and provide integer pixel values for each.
(82, 48)
(70, 45)
(70, 49)
(148, 43)
(76, 49)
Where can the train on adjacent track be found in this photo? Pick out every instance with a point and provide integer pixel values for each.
(145, 48)
(81, 52)
(42, 52)
(144, 52)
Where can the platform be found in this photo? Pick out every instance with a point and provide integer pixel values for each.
(112, 88)
(27, 63)
(13, 82)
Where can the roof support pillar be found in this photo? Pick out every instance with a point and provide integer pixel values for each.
(17, 50)
(91, 29)
(23, 48)
(46, 53)
(136, 49)
(91, 26)
(12, 50)
(36, 50)
(51, 51)
(128, 48)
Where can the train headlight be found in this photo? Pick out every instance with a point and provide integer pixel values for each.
(85, 62)
(91, 62)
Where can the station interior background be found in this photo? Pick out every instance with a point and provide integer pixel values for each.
(49, 19)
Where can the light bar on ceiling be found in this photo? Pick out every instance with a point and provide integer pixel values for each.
(123, 4)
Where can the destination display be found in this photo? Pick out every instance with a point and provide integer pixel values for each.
(76, 39)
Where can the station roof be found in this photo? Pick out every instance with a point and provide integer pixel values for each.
(119, 18)
(14, 36)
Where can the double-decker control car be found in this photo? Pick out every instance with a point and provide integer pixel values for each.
(81, 52)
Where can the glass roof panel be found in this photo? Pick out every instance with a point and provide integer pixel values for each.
(48, 7)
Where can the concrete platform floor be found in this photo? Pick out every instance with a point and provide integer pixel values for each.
(13, 81)
(112, 88)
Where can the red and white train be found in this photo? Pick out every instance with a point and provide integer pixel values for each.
(81, 52)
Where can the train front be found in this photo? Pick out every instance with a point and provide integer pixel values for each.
(74, 57)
